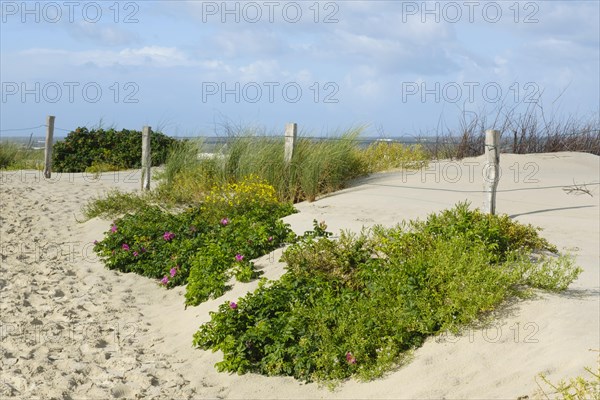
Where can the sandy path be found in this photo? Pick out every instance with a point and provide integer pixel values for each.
(69, 329)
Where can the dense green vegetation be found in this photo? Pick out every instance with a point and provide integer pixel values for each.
(357, 305)
(106, 150)
(202, 247)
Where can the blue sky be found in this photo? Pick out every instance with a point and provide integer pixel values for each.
(400, 68)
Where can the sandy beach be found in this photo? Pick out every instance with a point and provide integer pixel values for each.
(71, 329)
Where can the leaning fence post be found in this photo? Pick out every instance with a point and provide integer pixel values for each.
(291, 131)
(491, 169)
(146, 159)
(48, 147)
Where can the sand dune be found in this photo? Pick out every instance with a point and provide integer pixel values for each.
(73, 329)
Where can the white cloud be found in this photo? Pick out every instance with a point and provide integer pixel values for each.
(369, 53)
(501, 66)
(370, 89)
(393, 55)
(261, 71)
(574, 21)
(148, 56)
(363, 83)
(559, 51)
(102, 35)
(304, 77)
(255, 43)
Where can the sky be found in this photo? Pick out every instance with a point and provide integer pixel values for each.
(191, 68)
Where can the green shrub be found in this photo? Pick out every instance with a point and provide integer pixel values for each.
(317, 167)
(247, 215)
(83, 148)
(140, 242)
(500, 233)
(203, 246)
(252, 196)
(551, 273)
(357, 305)
(339, 260)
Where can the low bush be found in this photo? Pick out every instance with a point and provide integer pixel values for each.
(247, 215)
(83, 149)
(203, 246)
(356, 306)
(501, 234)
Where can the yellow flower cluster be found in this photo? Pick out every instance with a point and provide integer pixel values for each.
(251, 191)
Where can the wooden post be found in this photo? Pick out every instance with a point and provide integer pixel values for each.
(491, 170)
(291, 130)
(146, 159)
(48, 148)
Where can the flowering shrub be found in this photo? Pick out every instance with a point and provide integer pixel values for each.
(247, 216)
(252, 197)
(356, 305)
(139, 243)
(201, 247)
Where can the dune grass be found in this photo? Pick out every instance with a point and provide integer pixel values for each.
(318, 166)
(14, 156)
(586, 387)
(522, 133)
(115, 203)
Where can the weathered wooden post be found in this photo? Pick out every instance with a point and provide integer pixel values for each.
(146, 159)
(291, 131)
(491, 175)
(48, 147)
